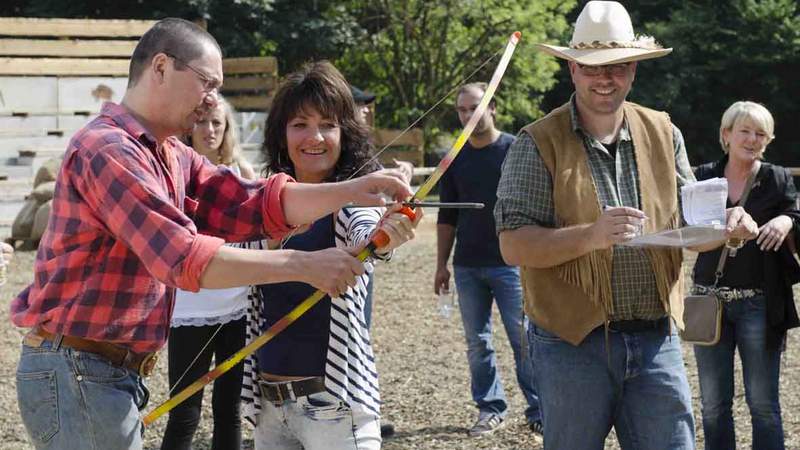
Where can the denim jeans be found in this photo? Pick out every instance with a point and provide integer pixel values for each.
(316, 422)
(77, 400)
(477, 288)
(640, 389)
(744, 326)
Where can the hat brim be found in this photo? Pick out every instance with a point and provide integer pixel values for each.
(366, 99)
(602, 56)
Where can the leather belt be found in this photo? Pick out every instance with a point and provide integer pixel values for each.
(141, 363)
(637, 325)
(727, 294)
(283, 391)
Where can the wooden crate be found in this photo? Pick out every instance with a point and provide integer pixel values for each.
(55, 74)
(250, 82)
(407, 147)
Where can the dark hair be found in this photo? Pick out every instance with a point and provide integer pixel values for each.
(176, 37)
(480, 85)
(319, 86)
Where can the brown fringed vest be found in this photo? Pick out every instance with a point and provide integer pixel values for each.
(572, 299)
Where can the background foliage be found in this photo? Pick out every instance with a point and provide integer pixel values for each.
(412, 52)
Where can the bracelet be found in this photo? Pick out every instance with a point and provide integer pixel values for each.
(734, 243)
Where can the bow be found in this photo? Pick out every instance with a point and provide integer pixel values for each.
(380, 239)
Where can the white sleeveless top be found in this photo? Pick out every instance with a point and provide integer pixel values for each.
(211, 306)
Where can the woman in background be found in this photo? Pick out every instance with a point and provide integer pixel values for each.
(756, 285)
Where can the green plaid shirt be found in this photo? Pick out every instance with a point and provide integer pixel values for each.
(525, 197)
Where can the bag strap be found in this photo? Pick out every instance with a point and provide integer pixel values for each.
(742, 200)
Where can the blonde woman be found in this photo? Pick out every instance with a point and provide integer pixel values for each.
(216, 138)
(756, 285)
(210, 316)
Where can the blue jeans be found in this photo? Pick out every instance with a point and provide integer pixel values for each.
(77, 400)
(640, 389)
(744, 326)
(477, 286)
(316, 422)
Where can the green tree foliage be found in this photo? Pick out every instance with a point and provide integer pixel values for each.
(413, 52)
(299, 31)
(724, 51)
(727, 51)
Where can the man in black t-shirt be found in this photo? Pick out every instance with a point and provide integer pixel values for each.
(481, 275)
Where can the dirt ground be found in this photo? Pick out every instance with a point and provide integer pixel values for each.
(422, 364)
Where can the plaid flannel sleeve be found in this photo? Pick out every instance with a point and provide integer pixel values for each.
(129, 200)
(525, 191)
(223, 204)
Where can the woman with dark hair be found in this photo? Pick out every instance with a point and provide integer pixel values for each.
(315, 386)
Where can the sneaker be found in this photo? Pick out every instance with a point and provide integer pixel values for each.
(486, 424)
(537, 429)
(387, 430)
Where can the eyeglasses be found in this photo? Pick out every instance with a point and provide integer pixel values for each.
(210, 84)
(616, 70)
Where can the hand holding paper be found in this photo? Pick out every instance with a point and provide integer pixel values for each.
(704, 212)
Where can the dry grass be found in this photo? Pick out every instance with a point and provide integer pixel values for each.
(421, 359)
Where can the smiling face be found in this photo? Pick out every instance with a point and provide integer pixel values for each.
(602, 90)
(314, 145)
(746, 140)
(208, 133)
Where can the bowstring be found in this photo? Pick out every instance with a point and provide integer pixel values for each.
(172, 388)
(428, 111)
(369, 161)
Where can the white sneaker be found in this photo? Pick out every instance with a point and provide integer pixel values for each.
(486, 424)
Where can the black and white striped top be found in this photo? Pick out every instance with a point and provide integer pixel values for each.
(350, 372)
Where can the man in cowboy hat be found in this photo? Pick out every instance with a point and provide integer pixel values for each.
(604, 317)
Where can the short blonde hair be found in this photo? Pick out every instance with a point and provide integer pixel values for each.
(744, 110)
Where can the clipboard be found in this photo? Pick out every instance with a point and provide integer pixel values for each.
(689, 236)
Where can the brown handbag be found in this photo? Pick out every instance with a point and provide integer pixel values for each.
(702, 314)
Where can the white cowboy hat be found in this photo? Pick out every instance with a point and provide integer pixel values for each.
(604, 35)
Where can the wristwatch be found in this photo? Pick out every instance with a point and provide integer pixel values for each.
(733, 245)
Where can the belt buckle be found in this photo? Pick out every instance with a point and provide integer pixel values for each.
(148, 364)
(271, 391)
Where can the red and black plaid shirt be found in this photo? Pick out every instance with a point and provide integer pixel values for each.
(124, 231)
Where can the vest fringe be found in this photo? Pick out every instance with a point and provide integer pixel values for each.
(592, 273)
(666, 265)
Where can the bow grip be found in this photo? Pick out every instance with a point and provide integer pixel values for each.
(381, 238)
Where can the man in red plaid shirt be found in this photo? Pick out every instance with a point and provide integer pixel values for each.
(137, 214)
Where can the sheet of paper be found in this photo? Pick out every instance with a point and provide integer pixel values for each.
(704, 202)
(703, 210)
